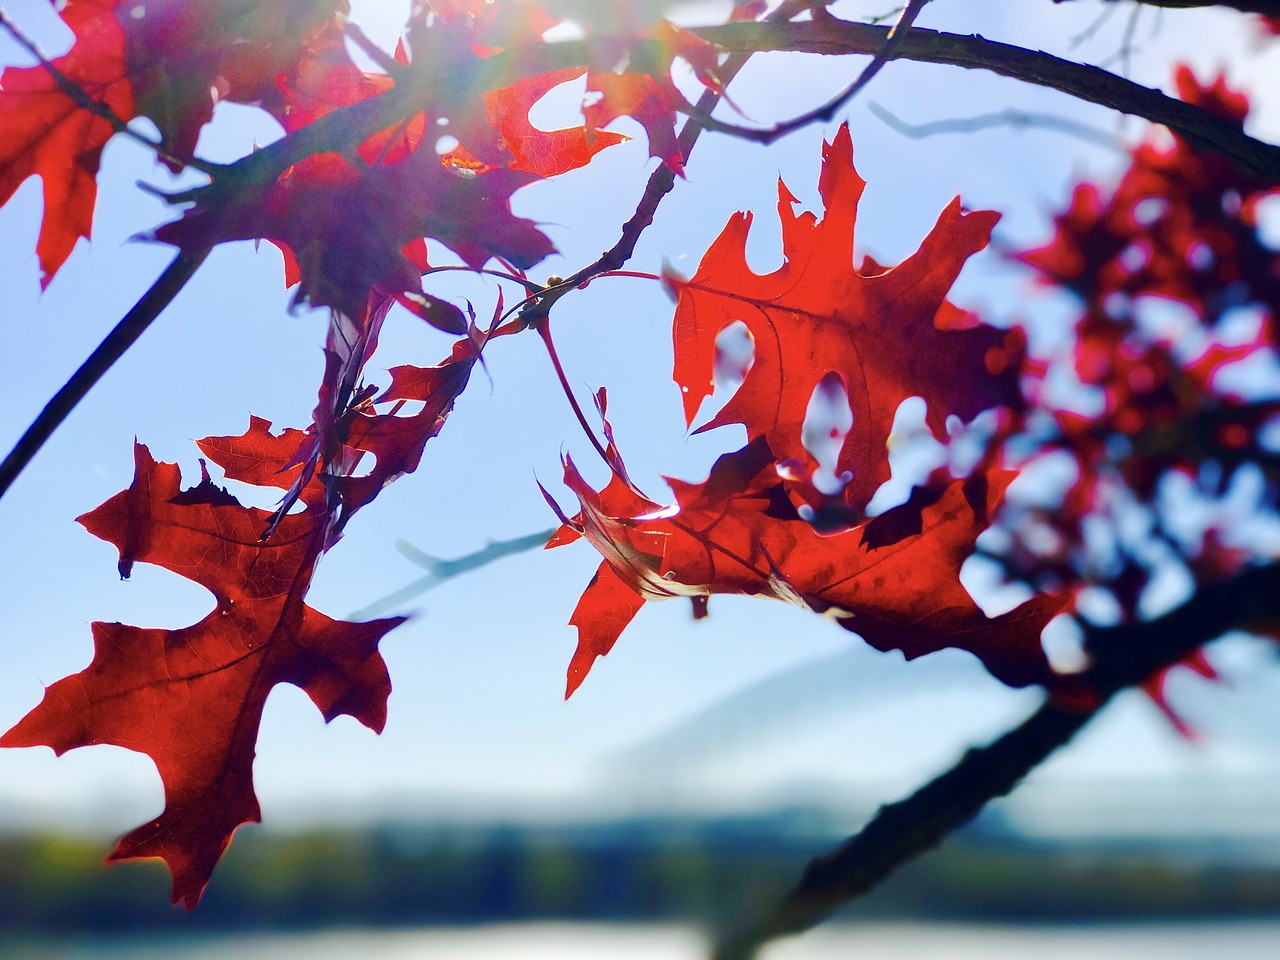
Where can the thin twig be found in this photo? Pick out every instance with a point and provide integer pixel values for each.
(97, 107)
(823, 113)
(386, 63)
(543, 326)
(110, 350)
(438, 571)
(530, 286)
(899, 832)
(1124, 56)
(1088, 32)
(1018, 119)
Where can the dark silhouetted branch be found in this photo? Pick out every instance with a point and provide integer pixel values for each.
(110, 350)
(901, 831)
(1201, 129)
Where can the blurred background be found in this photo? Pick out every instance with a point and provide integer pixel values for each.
(701, 764)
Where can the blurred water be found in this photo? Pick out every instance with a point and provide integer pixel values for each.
(1245, 940)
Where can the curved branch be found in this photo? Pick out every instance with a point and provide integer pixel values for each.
(110, 350)
(1265, 7)
(1123, 656)
(1201, 129)
(824, 112)
(344, 129)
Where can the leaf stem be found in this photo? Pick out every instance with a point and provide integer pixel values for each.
(543, 326)
(111, 349)
(892, 41)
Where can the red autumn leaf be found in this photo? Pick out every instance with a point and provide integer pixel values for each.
(1181, 225)
(192, 698)
(544, 153)
(649, 100)
(258, 456)
(396, 440)
(351, 226)
(330, 456)
(887, 333)
(643, 92)
(45, 133)
(737, 532)
(264, 459)
(648, 95)
(186, 55)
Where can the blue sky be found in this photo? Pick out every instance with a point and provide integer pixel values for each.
(477, 720)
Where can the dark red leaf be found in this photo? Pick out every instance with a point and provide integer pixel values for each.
(45, 133)
(192, 698)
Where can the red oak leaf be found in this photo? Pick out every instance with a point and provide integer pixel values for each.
(544, 153)
(646, 93)
(396, 440)
(259, 457)
(737, 532)
(324, 466)
(352, 226)
(185, 55)
(1181, 225)
(45, 133)
(649, 100)
(192, 698)
(888, 334)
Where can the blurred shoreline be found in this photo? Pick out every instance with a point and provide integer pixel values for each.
(1013, 865)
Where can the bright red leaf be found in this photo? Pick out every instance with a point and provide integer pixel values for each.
(545, 153)
(45, 133)
(737, 532)
(192, 698)
(888, 334)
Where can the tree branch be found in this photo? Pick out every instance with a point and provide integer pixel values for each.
(1265, 7)
(823, 113)
(1123, 656)
(663, 179)
(99, 362)
(1201, 129)
(344, 129)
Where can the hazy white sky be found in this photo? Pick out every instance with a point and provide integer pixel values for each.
(477, 716)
